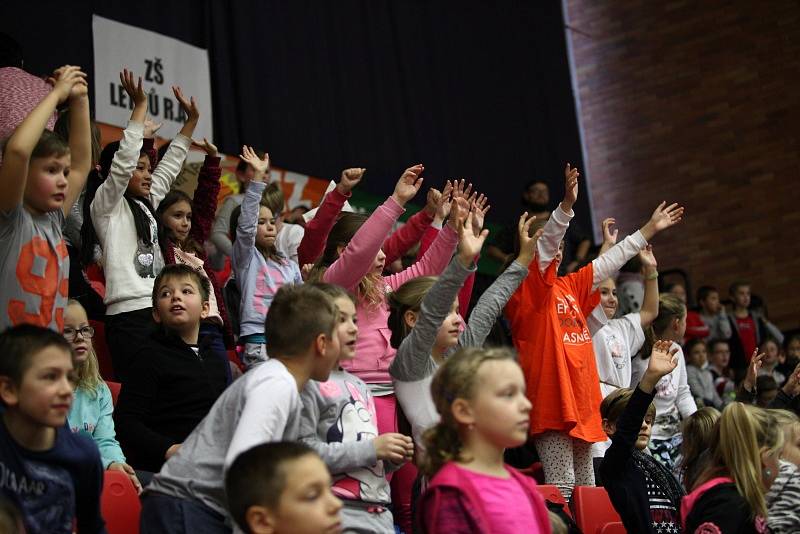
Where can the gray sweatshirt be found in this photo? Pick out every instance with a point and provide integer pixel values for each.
(339, 422)
(260, 407)
(413, 367)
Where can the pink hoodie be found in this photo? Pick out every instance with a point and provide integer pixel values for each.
(374, 353)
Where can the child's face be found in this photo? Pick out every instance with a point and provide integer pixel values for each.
(741, 297)
(180, 305)
(140, 182)
(500, 408)
(721, 355)
(698, 356)
(75, 330)
(793, 350)
(379, 263)
(307, 505)
(608, 297)
(711, 303)
(178, 219)
(643, 438)
(791, 445)
(679, 291)
(771, 351)
(44, 395)
(266, 231)
(47, 185)
(447, 335)
(346, 329)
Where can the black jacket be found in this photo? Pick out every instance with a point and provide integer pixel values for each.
(722, 507)
(167, 392)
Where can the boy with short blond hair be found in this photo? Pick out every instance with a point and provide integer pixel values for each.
(188, 494)
(54, 477)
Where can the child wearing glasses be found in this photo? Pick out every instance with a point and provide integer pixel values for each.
(92, 410)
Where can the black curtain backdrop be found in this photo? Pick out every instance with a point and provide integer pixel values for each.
(472, 89)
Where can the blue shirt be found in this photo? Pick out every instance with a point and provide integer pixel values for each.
(93, 415)
(51, 488)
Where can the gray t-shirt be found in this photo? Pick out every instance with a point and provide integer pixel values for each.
(260, 407)
(34, 268)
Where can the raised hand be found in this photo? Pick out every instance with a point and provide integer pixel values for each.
(349, 179)
(151, 127)
(647, 258)
(408, 185)
(189, 106)
(305, 271)
(70, 83)
(792, 385)
(663, 360)
(261, 166)
(756, 361)
(571, 175)
(663, 217)
(609, 235)
(133, 88)
(470, 242)
(459, 207)
(432, 200)
(207, 146)
(479, 209)
(443, 205)
(527, 242)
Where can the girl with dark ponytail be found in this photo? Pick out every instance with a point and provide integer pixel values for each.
(121, 220)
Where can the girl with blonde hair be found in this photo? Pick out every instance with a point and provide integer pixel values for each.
(729, 495)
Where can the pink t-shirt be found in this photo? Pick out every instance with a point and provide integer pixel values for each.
(500, 495)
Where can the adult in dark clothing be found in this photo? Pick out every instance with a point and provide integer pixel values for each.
(536, 201)
(644, 492)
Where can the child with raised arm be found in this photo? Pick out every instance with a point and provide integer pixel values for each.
(425, 324)
(282, 488)
(673, 398)
(40, 178)
(480, 397)
(644, 493)
(188, 494)
(122, 220)
(548, 324)
(338, 422)
(92, 407)
(186, 223)
(259, 268)
(54, 477)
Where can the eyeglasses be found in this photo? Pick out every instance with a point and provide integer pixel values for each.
(86, 333)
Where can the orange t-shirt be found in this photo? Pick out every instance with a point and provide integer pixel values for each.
(548, 324)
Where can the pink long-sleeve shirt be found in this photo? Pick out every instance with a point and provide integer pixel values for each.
(374, 353)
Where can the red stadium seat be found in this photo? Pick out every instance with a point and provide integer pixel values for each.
(119, 504)
(613, 528)
(114, 387)
(593, 509)
(101, 349)
(553, 494)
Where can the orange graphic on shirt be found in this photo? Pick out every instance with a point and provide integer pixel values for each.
(47, 287)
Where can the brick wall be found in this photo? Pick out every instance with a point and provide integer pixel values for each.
(699, 103)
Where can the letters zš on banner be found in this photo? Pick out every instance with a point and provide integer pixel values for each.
(162, 62)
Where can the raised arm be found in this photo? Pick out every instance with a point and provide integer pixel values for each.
(649, 310)
(413, 361)
(109, 194)
(318, 228)
(204, 202)
(609, 235)
(245, 243)
(171, 164)
(556, 226)
(358, 256)
(19, 147)
(494, 299)
(412, 232)
(80, 144)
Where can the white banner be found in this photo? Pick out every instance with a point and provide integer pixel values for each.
(161, 62)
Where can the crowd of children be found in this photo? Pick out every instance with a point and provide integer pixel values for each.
(320, 390)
